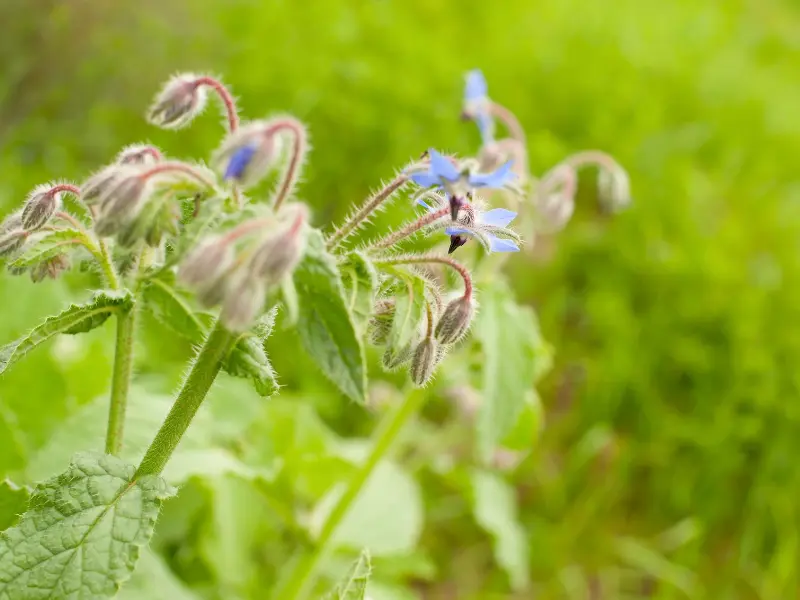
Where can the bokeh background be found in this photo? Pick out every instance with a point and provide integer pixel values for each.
(666, 465)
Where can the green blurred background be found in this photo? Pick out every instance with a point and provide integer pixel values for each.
(667, 465)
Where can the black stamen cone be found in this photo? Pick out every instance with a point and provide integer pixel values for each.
(455, 205)
(456, 241)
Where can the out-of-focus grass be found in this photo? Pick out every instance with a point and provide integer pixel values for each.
(674, 401)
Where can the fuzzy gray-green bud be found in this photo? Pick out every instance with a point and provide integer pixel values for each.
(424, 361)
(52, 268)
(380, 325)
(11, 241)
(455, 320)
(243, 303)
(39, 208)
(280, 252)
(95, 187)
(204, 268)
(11, 222)
(395, 358)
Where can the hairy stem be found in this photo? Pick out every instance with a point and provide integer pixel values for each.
(592, 157)
(195, 387)
(509, 121)
(104, 257)
(226, 97)
(432, 258)
(366, 210)
(178, 167)
(301, 579)
(120, 381)
(410, 229)
(299, 146)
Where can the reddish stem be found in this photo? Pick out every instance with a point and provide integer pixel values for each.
(176, 167)
(298, 149)
(243, 229)
(509, 120)
(433, 258)
(411, 228)
(225, 96)
(66, 187)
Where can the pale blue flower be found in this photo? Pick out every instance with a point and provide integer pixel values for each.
(477, 105)
(487, 224)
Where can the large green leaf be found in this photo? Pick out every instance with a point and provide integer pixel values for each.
(13, 502)
(82, 534)
(171, 310)
(353, 586)
(408, 318)
(360, 281)
(495, 509)
(78, 318)
(325, 325)
(48, 245)
(514, 356)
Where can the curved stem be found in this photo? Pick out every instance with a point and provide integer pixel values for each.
(366, 209)
(591, 157)
(509, 120)
(299, 146)
(301, 578)
(179, 168)
(195, 387)
(225, 96)
(65, 216)
(66, 187)
(432, 258)
(121, 380)
(410, 229)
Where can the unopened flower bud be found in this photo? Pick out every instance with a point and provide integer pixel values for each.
(11, 241)
(138, 154)
(52, 268)
(204, 267)
(613, 188)
(41, 205)
(94, 187)
(121, 202)
(178, 102)
(278, 255)
(247, 154)
(555, 198)
(424, 361)
(380, 325)
(244, 300)
(11, 222)
(395, 358)
(455, 320)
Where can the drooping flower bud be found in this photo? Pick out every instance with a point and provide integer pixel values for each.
(138, 154)
(424, 361)
(280, 252)
(243, 303)
(555, 198)
(121, 202)
(613, 188)
(395, 358)
(248, 154)
(94, 187)
(52, 268)
(205, 266)
(380, 325)
(11, 222)
(455, 320)
(41, 205)
(11, 241)
(178, 102)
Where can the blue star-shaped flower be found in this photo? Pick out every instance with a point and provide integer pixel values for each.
(459, 184)
(477, 104)
(485, 222)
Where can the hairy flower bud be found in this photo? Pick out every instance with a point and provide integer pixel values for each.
(11, 241)
(455, 320)
(93, 188)
(279, 253)
(424, 361)
(39, 208)
(138, 154)
(247, 154)
(11, 222)
(121, 202)
(178, 102)
(52, 268)
(613, 188)
(395, 358)
(243, 302)
(205, 266)
(380, 325)
(555, 198)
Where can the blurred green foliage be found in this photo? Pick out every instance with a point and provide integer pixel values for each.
(664, 469)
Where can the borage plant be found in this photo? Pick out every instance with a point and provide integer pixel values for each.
(217, 261)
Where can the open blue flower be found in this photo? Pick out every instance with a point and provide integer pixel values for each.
(477, 105)
(238, 162)
(485, 225)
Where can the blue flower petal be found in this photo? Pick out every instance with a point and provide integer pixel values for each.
(497, 244)
(476, 85)
(457, 231)
(239, 161)
(485, 125)
(493, 180)
(498, 217)
(424, 179)
(442, 167)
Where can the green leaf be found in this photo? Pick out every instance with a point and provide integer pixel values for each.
(495, 510)
(325, 326)
(78, 318)
(153, 580)
(386, 517)
(171, 310)
(514, 355)
(353, 585)
(13, 502)
(82, 534)
(408, 316)
(525, 432)
(48, 245)
(360, 280)
(249, 359)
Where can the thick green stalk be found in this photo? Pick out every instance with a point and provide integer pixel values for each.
(121, 380)
(300, 581)
(202, 374)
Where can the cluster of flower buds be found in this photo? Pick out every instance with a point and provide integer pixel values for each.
(235, 269)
